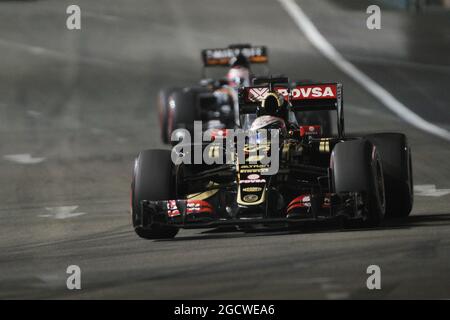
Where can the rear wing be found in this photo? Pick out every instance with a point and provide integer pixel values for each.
(308, 97)
(222, 57)
(301, 97)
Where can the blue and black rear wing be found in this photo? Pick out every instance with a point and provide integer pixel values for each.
(301, 97)
(222, 56)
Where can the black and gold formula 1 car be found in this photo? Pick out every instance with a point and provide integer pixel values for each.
(362, 179)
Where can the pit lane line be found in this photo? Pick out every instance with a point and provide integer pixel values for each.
(310, 31)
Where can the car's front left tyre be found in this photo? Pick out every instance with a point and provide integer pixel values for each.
(395, 156)
(357, 167)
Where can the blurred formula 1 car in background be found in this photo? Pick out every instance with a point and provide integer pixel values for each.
(359, 179)
(214, 102)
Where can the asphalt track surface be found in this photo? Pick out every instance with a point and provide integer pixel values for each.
(83, 102)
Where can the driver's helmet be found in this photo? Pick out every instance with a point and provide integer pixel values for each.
(239, 73)
(273, 104)
(268, 122)
(238, 77)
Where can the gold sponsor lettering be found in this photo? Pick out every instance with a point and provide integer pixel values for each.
(252, 189)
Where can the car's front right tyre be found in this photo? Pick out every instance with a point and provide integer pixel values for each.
(153, 179)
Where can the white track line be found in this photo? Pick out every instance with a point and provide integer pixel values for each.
(318, 40)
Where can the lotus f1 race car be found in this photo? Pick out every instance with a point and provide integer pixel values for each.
(360, 179)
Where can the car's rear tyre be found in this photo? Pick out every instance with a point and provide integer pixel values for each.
(356, 166)
(153, 179)
(184, 111)
(395, 156)
(163, 112)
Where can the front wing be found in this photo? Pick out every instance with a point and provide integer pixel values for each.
(185, 213)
